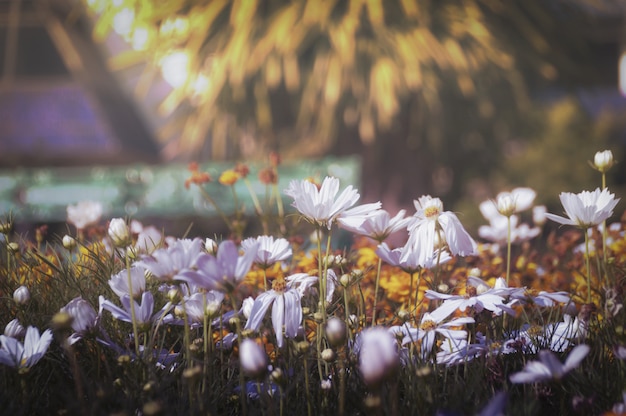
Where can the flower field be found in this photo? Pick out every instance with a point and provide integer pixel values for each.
(119, 318)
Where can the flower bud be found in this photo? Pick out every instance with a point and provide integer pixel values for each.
(603, 161)
(505, 204)
(328, 355)
(13, 247)
(69, 242)
(210, 246)
(21, 296)
(246, 306)
(119, 232)
(335, 331)
(14, 329)
(539, 215)
(252, 357)
(378, 357)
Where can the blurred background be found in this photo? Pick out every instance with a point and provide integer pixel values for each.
(459, 99)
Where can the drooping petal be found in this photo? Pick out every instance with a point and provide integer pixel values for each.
(576, 355)
(278, 318)
(259, 308)
(293, 313)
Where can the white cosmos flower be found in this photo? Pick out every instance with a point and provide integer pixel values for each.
(143, 312)
(549, 367)
(407, 259)
(322, 205)
(508, 203)
(302, 282)
(431, 326)
(498, 228)
(429, 218)
(586, 209)
(377, 225)
(84, 213)
(23, 356)
(286, 310)
(269, 251)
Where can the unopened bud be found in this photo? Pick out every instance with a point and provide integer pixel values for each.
(21, 296)
(119, 232)
(69, 242)
(328, 355)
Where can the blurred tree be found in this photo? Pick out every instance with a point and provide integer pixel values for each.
(430, 92)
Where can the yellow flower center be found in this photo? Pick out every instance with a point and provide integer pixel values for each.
(279, 285)
(432, 212)
(229, 177)
(428, 325)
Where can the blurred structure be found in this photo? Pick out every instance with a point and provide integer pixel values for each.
(456, 98)
(59, 103)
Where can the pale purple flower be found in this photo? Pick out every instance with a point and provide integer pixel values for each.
(378, 356)
(549, 299)
(377, 225)
(286, 311)
(423, 232)
(549, 367)
(167, 264)
(322, 206)
(586, 209)
(84, 318)
(269, 251)
(84, 213)
(199, 304)
(223, 271)
(23, 356)
(143, 312)
(148, 239)
(119, 281)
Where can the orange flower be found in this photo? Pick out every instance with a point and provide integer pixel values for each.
(196, 177)
(229, 177)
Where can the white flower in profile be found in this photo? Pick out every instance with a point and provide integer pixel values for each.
(286, 310)
(23, 356)
(407, 259)
(119, 232)
(498, 229)
(378, 357)
(84, 318)
(586, 209)
(148, 238)
(302, 282)
(253, 358)
(431, 326)
(14, 329)
(377, 225)
(549, 367)
(119, 281)
(84, 213)
(423, 232)
(269, 251)
(322, 205)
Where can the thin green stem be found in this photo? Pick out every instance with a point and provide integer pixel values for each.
(242, 381)
(133, 317)
(587, 266)
(508, 249)
(380, 264)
